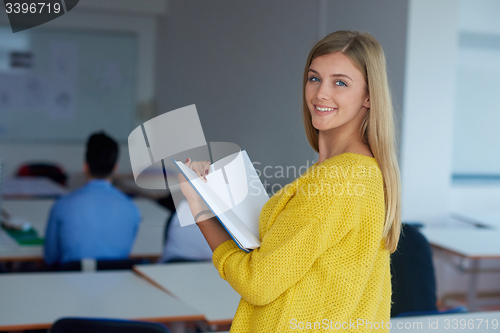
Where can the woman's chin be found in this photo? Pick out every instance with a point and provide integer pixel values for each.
(320, 126)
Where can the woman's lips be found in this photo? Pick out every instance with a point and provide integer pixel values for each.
(323, 110)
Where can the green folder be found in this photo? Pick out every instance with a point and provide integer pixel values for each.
(28, 237)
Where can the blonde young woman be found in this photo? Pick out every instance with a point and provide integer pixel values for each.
(326, 237)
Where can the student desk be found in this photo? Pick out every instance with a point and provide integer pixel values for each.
(31, 187)
(200, 286)
(485, 219)
(37, 300)
(470, 244)
(197, 284)
(148, 243)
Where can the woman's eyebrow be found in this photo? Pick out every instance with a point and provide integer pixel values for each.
(341, 75)
(333, 75)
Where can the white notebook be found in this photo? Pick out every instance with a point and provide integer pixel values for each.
(236, 203)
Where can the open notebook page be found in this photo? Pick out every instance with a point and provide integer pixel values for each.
(215, 179)
(229, 219)
(248, 193)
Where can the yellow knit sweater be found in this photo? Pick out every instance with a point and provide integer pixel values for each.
(321, 264)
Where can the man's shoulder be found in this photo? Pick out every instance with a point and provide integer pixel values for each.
(75, 195)
(85, 200)
(91, 193)
(124, 199)
(68, 197)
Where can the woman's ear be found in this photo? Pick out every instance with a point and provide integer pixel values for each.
(366, 103)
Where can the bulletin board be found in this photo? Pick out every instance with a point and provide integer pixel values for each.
(59, 86)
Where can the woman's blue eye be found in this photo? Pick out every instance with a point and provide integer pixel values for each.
(313, 79)
(341, 83)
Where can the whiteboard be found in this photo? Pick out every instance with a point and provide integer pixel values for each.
(61, 85)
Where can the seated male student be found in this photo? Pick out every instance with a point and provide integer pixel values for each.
(96, 221)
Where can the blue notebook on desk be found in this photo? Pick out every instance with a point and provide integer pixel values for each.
(234, 194)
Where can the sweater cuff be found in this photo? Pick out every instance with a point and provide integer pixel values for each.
(221, 253)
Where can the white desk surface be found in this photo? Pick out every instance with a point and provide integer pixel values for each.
(197, 284)
(148, 243)
(31, 187)
(489, 219)
(37, 300)
(470, 243)
(152, 213)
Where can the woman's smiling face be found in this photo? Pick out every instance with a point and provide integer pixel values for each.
(336, 93)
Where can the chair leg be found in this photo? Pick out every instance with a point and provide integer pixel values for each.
(472, 292)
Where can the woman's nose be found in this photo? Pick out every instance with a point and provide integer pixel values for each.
(322, 93)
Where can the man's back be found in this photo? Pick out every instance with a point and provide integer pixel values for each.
(96, 221)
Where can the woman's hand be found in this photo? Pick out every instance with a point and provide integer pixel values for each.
(195, 202)
(212, 230)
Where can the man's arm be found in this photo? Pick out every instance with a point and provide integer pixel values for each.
(51, 248)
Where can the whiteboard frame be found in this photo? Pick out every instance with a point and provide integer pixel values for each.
(122, 16)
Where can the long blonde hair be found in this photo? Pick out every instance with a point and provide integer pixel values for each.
(377, 128)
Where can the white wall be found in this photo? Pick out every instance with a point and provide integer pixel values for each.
(129, 16)
(429, 125)
(241, 63)
(480, 16)
(476, 149)
(430, 107)
(117, 16)
(387, 21)
(426, 165)
(69, 156)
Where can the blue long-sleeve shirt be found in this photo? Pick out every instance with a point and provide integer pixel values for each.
(96, 221)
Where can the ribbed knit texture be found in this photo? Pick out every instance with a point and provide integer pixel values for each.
(322, 263)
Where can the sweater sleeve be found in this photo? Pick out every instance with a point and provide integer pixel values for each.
(52, 246)
(302, 231)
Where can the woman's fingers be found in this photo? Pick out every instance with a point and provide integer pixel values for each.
(200, 168)
(207, 167)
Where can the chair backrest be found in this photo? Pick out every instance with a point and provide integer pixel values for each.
(167, 202)
(413, 279)
(458, 309)
(94, 325)
(48, 170)
(102, 265)
(167, 226)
